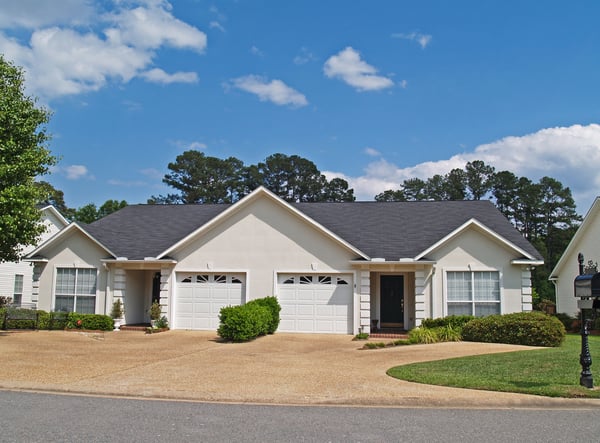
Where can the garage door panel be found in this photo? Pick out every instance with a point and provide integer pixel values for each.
(200, 297)
(316, 303)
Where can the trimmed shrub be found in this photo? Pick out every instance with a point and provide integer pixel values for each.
(52, 320)
(243, 323)
(272, 304)
(455, 321)
(567, 321)
(19, 318)
(521, 328)
(93, 322)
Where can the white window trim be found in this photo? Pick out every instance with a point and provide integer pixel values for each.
(470, 268)
(74, 266)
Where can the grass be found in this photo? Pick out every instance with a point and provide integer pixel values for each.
(551, 372)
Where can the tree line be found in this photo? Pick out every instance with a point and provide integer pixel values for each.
(204, 179)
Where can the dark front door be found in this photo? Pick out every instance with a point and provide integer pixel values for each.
(392, 301)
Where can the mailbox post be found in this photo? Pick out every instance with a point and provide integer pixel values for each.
(587, 289)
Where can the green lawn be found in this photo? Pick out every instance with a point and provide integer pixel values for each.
(552, 372)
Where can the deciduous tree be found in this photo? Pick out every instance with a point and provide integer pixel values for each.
(24, 156)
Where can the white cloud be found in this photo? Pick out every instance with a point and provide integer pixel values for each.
(255, 51)
(372, 152)
(157, 75)
(152, 173)
(196, 145)
(422, 39)
(304, 57)
(76, 172)
(64, 60)
(348, 66)
(31, 14)
(216, 25)
(153, 27)
(274, 91)
(568, 154)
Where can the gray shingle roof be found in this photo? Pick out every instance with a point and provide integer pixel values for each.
(391, 230)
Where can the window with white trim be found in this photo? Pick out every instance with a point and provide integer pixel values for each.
(18, 290)
(473, 293)
(75, 290)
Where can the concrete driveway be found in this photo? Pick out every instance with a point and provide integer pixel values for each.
(279, 369)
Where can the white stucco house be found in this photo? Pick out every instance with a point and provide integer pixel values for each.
(335, 267)
(586, 241)
(16, 277)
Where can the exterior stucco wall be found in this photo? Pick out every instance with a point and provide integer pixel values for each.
(588, 243)
(261, 240)
(475, 250)
(73, 251)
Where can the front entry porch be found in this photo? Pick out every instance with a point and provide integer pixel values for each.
(137, 284)
(393, 297)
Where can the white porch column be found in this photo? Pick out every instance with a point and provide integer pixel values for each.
(526, 293)
(119, 285)
(35, 283)
(420, 313)
(164, 291)
(364, 285)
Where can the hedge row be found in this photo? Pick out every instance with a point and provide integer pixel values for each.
(521, 328)
(454, 321)
(246, 322)
(19, 318)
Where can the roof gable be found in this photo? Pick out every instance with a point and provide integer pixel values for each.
(63, 233)
(259, 193)
(470, 224)
(592, 216)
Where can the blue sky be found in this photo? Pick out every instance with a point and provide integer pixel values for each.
(372, 91)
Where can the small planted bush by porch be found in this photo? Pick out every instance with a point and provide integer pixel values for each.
(522, 328)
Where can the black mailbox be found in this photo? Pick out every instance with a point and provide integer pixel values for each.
(587, 285)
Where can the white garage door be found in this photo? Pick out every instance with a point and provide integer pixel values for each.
(200, 298)
(315, 303)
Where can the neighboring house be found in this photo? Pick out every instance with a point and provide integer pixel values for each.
(335, 267)
(16, 277)
(587, 241)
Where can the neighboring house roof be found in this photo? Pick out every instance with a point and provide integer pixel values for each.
(592, 214)
(52, 210)
(389, 230)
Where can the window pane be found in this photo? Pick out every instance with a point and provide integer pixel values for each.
(86, 305)
(460, 309)
(86, 281)
(487, 286)
(65, 280)
(483, 309)
(64, 303)
(459, 286)
(18, 290)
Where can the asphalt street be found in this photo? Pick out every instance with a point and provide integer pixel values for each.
(36, 417)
